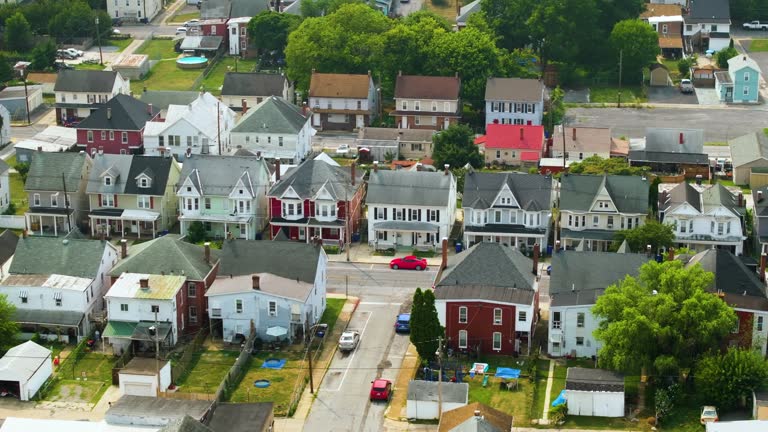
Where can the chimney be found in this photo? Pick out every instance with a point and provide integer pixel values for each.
(149, 109)
(123, 248)
(536, 259)
(277, 170)
(671, 254)
(244, 104)
(759, 196)
(741, 200)
(648, 250)
(375, 166)
(444, 263)
(144, 283)
(109, 113)
(574, 134)
(207, 252)
(522, 134)
(682, 138)
(763, 259)
(446, 168)
(255, 279)
(353, 173)
(40, 148)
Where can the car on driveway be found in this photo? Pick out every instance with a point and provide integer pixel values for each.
(64, 54)
(709, 415)
(381, 389)
(686, 86)
(403, 323)
(74, 52)
(349, 340)
(409, 262)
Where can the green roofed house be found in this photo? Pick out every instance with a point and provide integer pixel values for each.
(275, 129)
(57, 285)
(747, 152)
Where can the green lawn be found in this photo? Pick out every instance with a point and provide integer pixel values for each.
(89, 66)
(605, 94)
(184, 17)
(84, 381)
(558, 382)
(18, 196)
(542, 370)
(332, 310)
(208, 370)
(728, 183)
(76, 391)
(215, 79)
(282, 381)
(158, 49)
(674, 73)
(758, 45)
(514, 402)
(121, 44)
(166, 76)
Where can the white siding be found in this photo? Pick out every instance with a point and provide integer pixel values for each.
(569, 332)
(30, 388)
(598, 404)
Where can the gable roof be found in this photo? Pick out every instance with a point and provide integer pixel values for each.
(211, 9)
(219, 174)
(162, 99)
(533, 192)
(456, 419)
(515, 137)
(232, 417)
(270, 284)
(427, 87)
(313, 175)
(748, 148)
(21, 362)
(514, 89)
(118, 166)
(245, 257)
(741, 61)
(273, 115)
(8, 241)
(51, 255)
(719, 196)
(671, 140)
(247, 8)
(629, 193)
(574, 280)
(587, 379)
(157, 168)
(488, 271)
(253, 84)
(709, 11)
(167, 254)
(661, 10)
(339, 85)
(122, 112)
(81, 81)
(205, 113)
(584, 139)
(682, 193)
(741, 286)
(451, 392)
(46, 169)
(409, 188)
(466, 11)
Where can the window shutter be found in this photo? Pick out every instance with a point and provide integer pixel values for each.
(151, 202)
(115, 200)
(533, 108)
(386, 210)
(419, 216)
(99, 200)
(437, 215)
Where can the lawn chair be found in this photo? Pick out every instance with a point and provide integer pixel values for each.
(485, 380)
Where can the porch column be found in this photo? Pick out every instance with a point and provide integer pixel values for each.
(225, 231)
(122, 228)
(40, 219)
(93, 227)
(247, 233)
(27, 222)
(153, 230)
(138, 227)
(55, 229)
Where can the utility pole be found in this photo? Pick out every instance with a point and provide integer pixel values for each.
(218, 125)
(347, 209)
(621, 57)
(23, 72)
(98, 41)
(66, 202)
(439, 355)
(157, 354)
(565, 157)
(311, 380)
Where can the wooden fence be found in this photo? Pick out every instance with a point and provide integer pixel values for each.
(184, 365)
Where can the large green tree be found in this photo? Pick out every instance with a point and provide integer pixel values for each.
(663, 320)
(43, 55)
(269, 30)
(637, 43)
(316, 8)
(426, 330)
(595, 165)
(18, 33)
(727, 378)
(653, 233)
(724, 55)
(9, 329)
(455, 146)
(565, 30)
(556, 111)
(509, 20)
(6, 69)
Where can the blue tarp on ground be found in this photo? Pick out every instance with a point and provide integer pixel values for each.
(507, 373)
(560, 399)
(274, 363)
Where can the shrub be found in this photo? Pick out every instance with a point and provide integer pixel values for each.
(558, 413)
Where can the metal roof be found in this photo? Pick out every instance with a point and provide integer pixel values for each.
(160, 287)
(586, 379)
(419, 390)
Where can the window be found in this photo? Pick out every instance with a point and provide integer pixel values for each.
(239, 306)
(161, 141)
(736, 327)
(144, 202)
(610, 222)
(664, 28)
(111, 135)
(189, 141)
(690, 225)
(36, 199)
(522, 316)
(272, 308)
(404, 105)
(720, 227)
(280, 141)
(417, 120)
(447, 106)
(24, 299)
(759, 323)
(58, 302)
(155, 309)
(55, 200)
(107, 181)
(689, 27)
(382, 235)
(103, 135)
(580, 319)
(417, 106)
(595, 221)
(497, 341)
(108, 200)
(462, 315)
(497, 216)
(192, 290)
(90, 136)
(555, 320)
(125, 137)
(144, 182)
(728, 227)
(434, 106)
(207, 203)
(124, 307)
(498, 154)
(579, 341)
(497, 316)
(192, 314)
(462, 338)
(746, 91)
(714, 27)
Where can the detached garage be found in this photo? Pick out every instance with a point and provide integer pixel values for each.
(139, 377)
(594, 392)
(24, 369)
(423, 400)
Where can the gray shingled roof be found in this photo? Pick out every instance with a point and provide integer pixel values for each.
(81, 81)
(709, 11)
(8, 241)
(468, 10)
(243, 257)
(121, 113)
(586, 379)
(533, 192)
(115, 165)
(741, 285)
(668, 140)
(185, 424)
(748, 148)
(157, 168)
(514, 89)
(310, 177)
(409, 188)
(46, 169)
(629, 193)
(682, 193)
(235, 417)
(717, 196)
(47, 255)
(220, 174)
(253, 84)
(165, 255)
(247, 8)
(274, 115)
(667, 157)
(161, 99)
(419, 390)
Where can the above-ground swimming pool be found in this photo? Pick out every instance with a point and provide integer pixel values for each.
(192, 62)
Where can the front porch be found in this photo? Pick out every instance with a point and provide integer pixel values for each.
(219, 228)
(329, 233)
(67, 326)
(140, 337)
(587, 240)
(520, 241)
(113, 221)
(421, 236)
(49, 221)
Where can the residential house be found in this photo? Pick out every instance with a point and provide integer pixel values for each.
(259, 288)
(319, 201)
(487, 298)
(385, 6)
(704, 218)
(413, 209)
(425, 400)
(56, 192)
(342, 101)
(227, 194)
(277, 129)
(747, 152)
(517, 101)
(760, 203)
(57, 285)
(116, 127)
(14, 99)
(239, 43)
(506, 144)
(401, 143)
(707, 26)
(8, 241)
(251, 88)
(594, 208)
(162, 99)
(670, 150)
(212, 27)
(79, 92)
(574, 287)
(742, 289)
(704, 76)
(5, 186)
(201, 127)
(740, 83)
(514, 209)
(182, 272)
(52, 139)
(238, 417)
(465, 12)
(667, 20)
(475, 417)
(427, 102)
(578, 143)
(134, 10)
(132, 195)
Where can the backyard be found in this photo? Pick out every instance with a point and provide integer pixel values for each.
(674, 72)
(166, 76)
(213, 82)
(333, 308)
(209, 368)
(158, 49)
(282, 382)
(609, 95)
(121, 43)
(18, 196)
(83, 381)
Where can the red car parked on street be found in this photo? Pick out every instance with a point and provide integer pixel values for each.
(408, 263)
(381, 390)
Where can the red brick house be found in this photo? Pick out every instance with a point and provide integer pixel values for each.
(316, 199)
(487, 299)
(116, 127)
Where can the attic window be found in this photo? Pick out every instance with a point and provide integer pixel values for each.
(144, 182)
(189, 189)
(107, 181)
(241, 191)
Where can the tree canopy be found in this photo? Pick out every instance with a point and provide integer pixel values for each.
(724, 55)
(726, 378)
(652, 232)
(425, 326)
(8, 327)
(637, 43)
(269, 30)
(664, 319)
(455, 146)
(18, 33)
(43, 55)
(595, 165)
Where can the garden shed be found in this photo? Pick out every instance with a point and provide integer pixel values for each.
(659, 76)
(24, 369)
(423, 398)
(134, 66)
(139, 377)
(594, 392)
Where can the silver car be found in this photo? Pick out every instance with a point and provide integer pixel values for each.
(349, 340)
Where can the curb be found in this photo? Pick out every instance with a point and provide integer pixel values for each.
(336, 345)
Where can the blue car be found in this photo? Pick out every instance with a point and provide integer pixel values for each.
(403, 323)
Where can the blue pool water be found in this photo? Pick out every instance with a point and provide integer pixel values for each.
(192, 60)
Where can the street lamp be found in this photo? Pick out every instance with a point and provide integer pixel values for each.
(23, 73)
(98, 41)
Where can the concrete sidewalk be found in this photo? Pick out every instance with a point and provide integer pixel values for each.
(397, 406)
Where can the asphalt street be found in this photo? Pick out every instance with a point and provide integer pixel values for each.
(343, 397)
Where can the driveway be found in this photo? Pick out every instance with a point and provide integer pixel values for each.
(576, 96)
(670, 95)
(708, 96)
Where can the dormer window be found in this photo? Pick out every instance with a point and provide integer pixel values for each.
(107, 181)
(144, 182)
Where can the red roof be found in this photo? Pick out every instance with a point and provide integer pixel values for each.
(516, 137)
(530, 156)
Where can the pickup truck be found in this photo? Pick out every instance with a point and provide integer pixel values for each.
(756, 25)
(349, 340)
(686, 86)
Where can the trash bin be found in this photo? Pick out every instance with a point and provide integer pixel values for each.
(459, 247)
(355, 237)
(549, 249)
